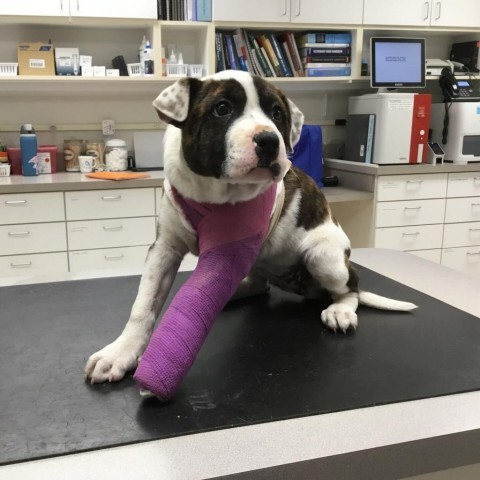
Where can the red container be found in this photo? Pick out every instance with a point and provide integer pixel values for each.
(47, 164)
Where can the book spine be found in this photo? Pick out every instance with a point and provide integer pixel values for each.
(312, 52)
(261, 57)
(326, 65)
(369, 147)
(289, 58)
(219, 52)
(328, 72)
(234, 65)
(326, 59)
(323, 45)
(204, 10)
(241, 50)
(228, 66)
(332, 37)
(284, 67)
(271, 58)
(292, 46)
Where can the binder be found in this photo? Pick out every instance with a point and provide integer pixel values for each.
(360, 137)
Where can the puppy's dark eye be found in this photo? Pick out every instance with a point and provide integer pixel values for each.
(222, 108)
(277, 114)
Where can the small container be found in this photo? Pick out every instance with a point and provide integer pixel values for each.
(116, 155)
(72, 149)
(4, 170)
(96, 150)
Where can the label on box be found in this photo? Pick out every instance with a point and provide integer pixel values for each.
(87, 71)
(113, 72)
(85, 60)
(98, 71)
(36, 63)
(44, 164)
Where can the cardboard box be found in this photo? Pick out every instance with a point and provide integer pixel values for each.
(67, 61)
(35, 59)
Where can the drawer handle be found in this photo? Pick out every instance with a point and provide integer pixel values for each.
(114, 257)
(411, 234)
(474, 229)
(21, 264)
(476, 179)
(15, 202)
(473, 253)
(414, 181)
(116, 228)
(475, 205)
(412, 208)
(112, 198)
(19, 234)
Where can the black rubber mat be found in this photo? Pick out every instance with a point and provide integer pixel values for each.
(267, 358)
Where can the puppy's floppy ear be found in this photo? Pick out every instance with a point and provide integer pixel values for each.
(297, 122)
(174, 103)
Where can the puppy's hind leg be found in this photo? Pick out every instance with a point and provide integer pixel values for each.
(251, 285)
(327, 259)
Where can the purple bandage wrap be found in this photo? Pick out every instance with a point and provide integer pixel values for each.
(230, 237)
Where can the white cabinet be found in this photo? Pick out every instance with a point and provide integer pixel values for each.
(341, 12)
(435, 13)
(81, 8)
(407, 12)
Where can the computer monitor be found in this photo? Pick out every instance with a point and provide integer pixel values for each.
(397, 62)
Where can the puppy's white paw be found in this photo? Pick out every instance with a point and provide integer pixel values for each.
(339, 316)
(112, 362)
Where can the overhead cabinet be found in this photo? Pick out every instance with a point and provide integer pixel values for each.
(342, 12)
(82, 8)
(416, 13)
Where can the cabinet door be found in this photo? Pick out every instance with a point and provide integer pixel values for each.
(50, 8)
(251, 10)
(455, 13)
(325, 11)
(407, 12)
(114, 8)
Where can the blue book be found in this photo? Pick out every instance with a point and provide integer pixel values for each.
(203, 10)
(330, 51)
(219, 53)
(328, 72)
(284, 65)
(232, 54)
(326, 37)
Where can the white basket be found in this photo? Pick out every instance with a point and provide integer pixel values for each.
(4, 170)
(176, 70)
(135, 69)
(195, 70)
(8, 69)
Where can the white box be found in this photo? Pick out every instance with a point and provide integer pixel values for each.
(67, 61)
(85, 61)
(99, 71)
(113, 72)
(87, 71)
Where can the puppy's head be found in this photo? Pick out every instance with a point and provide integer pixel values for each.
(235, 126)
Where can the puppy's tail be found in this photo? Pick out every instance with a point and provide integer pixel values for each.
(383, 303)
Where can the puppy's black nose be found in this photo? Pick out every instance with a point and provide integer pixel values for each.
(267, 148)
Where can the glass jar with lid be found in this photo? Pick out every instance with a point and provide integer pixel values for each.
(116, 155)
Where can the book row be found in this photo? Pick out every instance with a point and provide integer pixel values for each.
(282, 54)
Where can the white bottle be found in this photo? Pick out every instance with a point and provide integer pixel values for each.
(148, 59)
(141, 48)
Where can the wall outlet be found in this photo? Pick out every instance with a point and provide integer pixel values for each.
(108, 127)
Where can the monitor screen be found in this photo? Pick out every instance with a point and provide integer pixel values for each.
(397, 62)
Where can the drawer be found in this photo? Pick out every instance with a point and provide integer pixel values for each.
(31, 208)
(411, 187)
(461, 234)
(463, 184)
(411, 212)
(421, 237)
(434, 256)
(95, 204)
(107, 259)
(122, 232)
(32, 238)
(33, 265)
(465, 259)
(462, 210)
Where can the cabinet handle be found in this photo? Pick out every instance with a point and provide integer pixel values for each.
(412, 208)
(299, 9)
(427, 6)
(474, 229)
(475, 205)
(15, 202)
(20, 264)
(78, 5)
(109, 198)
(19, 234)
(114, 257)
(476, 179)
(439, 10)
(414, 181)
(411, 234)
(473, 253)
(459, 179)
(61, 5)
(118, 227)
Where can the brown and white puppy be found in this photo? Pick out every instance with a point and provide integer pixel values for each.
(228, 140)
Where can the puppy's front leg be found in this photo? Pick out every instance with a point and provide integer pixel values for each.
(113, 361)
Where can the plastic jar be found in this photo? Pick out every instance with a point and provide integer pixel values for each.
(116, 155)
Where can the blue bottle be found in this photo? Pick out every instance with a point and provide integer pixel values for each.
(28, 147)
